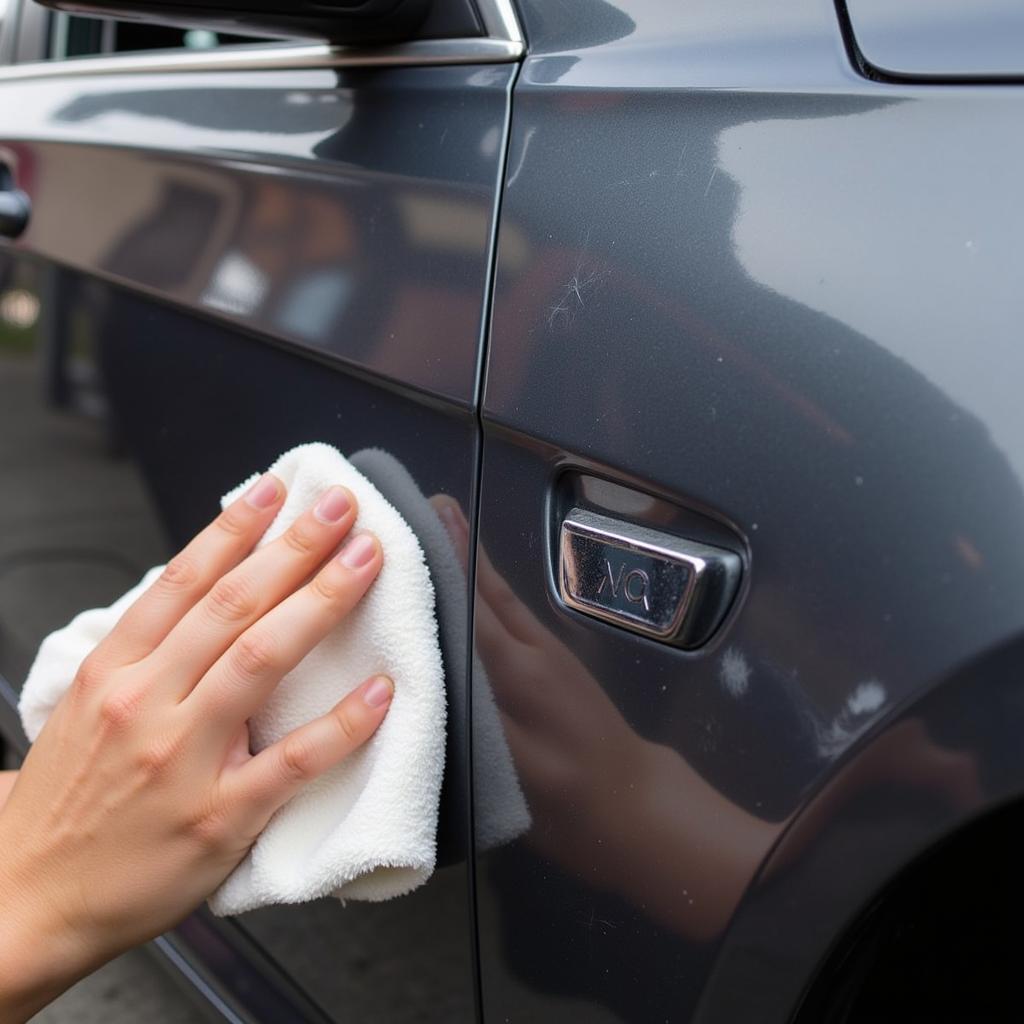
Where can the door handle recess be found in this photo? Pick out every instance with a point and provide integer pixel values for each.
(653, 583)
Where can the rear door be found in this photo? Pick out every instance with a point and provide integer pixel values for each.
(749, 297)
(232, 251)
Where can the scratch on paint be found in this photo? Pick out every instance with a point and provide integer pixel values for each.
(679, 164)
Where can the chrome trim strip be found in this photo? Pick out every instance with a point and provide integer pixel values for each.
(11, 730)
(274, 56)
(192, 980)
(500, 20)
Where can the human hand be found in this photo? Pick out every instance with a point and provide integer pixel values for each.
(140, 794)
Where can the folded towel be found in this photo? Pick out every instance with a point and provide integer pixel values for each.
(365, 830)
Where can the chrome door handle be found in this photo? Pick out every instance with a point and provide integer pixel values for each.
(15, 206)
(653, 583)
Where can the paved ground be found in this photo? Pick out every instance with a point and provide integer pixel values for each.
(130, 990)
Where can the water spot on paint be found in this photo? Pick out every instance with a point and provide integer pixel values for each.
(734, 673)
(834, 737)
(867, 697)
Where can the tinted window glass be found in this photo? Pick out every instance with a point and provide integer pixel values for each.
(74, 36)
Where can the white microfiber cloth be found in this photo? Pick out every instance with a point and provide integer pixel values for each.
(365, 830)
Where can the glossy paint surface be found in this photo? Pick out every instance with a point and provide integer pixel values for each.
(760, 291)
(743, 296)
(347, 212)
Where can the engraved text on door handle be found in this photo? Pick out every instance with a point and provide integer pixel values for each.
(654, 583)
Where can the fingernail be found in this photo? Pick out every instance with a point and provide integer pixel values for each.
(264, 492)
(332, 505)
(378, 692)
(358, 551)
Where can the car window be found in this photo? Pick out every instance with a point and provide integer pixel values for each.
(77, 36)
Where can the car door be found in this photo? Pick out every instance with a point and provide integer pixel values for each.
(233, 249)
(752, 294)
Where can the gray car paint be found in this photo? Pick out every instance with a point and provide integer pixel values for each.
(742, 294)
(785, 300)
(347, 212)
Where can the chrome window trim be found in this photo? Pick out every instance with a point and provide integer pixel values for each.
(503, 43)
(500, 21)
(272, 56)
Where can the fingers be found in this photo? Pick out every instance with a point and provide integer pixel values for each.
(245, 675)
(191, 573)
(493, 588)
(491, 585)
(495, 644)
(272, 777)
(249, 591)
(448, 511)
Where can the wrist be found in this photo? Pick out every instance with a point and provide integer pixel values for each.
(40, 953)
